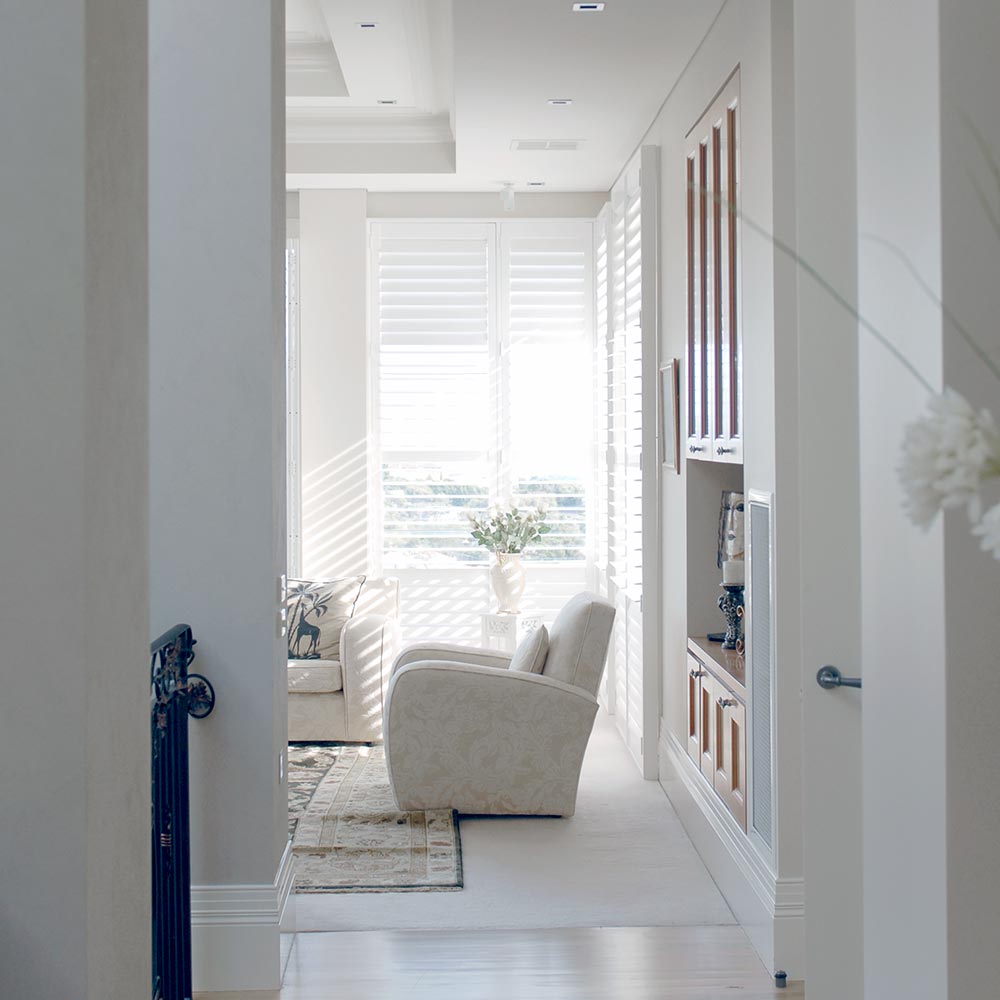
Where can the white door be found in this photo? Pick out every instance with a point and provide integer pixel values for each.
(869, 190)
(828, 479)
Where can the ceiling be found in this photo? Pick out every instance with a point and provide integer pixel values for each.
(468, 79)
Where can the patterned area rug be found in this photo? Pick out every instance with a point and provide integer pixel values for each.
(348, 836)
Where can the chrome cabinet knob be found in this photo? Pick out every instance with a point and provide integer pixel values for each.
(725, 702)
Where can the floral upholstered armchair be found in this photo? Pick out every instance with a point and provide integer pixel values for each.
(485, 733)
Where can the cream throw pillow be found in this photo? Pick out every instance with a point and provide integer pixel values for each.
(529, 657)
(318, 610)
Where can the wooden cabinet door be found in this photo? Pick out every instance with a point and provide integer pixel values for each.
(729, 746)
(714, 329)
(696, 672)
(708, 692)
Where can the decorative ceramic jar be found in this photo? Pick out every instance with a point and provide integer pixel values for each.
(508, 578)
(731, 606)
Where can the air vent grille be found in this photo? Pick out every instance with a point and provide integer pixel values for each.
(760, 669)
(545, 145)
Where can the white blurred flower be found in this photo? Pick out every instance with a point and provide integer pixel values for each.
(493, 511)
(988, 531)
(542, 507)
(472, 516)
(947, 455)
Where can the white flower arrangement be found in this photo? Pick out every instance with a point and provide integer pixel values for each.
(509, 528)
(948, 456)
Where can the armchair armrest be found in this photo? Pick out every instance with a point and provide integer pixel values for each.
(447, 652)
(481, 740)
(368, 644)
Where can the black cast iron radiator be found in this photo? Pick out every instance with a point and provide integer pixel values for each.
(174, 695)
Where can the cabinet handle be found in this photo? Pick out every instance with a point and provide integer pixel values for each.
(724, 451)
(725, 702)
(695, 447)
(695, 674)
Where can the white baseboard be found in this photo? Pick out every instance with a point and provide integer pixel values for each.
(236, 932)
(770, 909)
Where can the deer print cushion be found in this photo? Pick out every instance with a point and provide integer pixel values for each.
(317, 612)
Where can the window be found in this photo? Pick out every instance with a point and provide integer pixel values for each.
(482, 354)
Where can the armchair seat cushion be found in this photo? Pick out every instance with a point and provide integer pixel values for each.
(315, 676)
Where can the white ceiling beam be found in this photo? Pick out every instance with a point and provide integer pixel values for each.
(375, 61)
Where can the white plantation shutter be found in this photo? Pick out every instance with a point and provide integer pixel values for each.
(546, 322)
(293, 429)
(432, 305)
(602, 397)
(603, 374)
(631, 301)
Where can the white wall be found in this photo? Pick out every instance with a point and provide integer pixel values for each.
(755, 36)
(970, 82)
(74, 715)
(333, 357)
(217, 234)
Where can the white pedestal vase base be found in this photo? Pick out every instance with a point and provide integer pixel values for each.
(508, 578)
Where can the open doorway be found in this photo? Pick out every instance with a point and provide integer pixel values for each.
(482, 328)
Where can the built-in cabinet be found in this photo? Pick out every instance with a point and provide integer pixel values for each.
(716, 722)
(714, 331)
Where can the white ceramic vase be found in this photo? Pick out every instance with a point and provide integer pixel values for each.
(508, 577)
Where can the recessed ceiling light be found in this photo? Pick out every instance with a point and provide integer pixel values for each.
(560, 102)
(536, 184)
(369, 24)
(387, 102)
(588, 8)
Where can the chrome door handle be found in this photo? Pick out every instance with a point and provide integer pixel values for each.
(829, 678)
(725, 702)
(695, 674)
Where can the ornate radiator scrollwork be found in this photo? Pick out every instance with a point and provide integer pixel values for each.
(174, 696)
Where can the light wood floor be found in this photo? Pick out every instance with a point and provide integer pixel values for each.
(613, 963)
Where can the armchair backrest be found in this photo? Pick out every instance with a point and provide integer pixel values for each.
(578, 642)
(379, 596)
